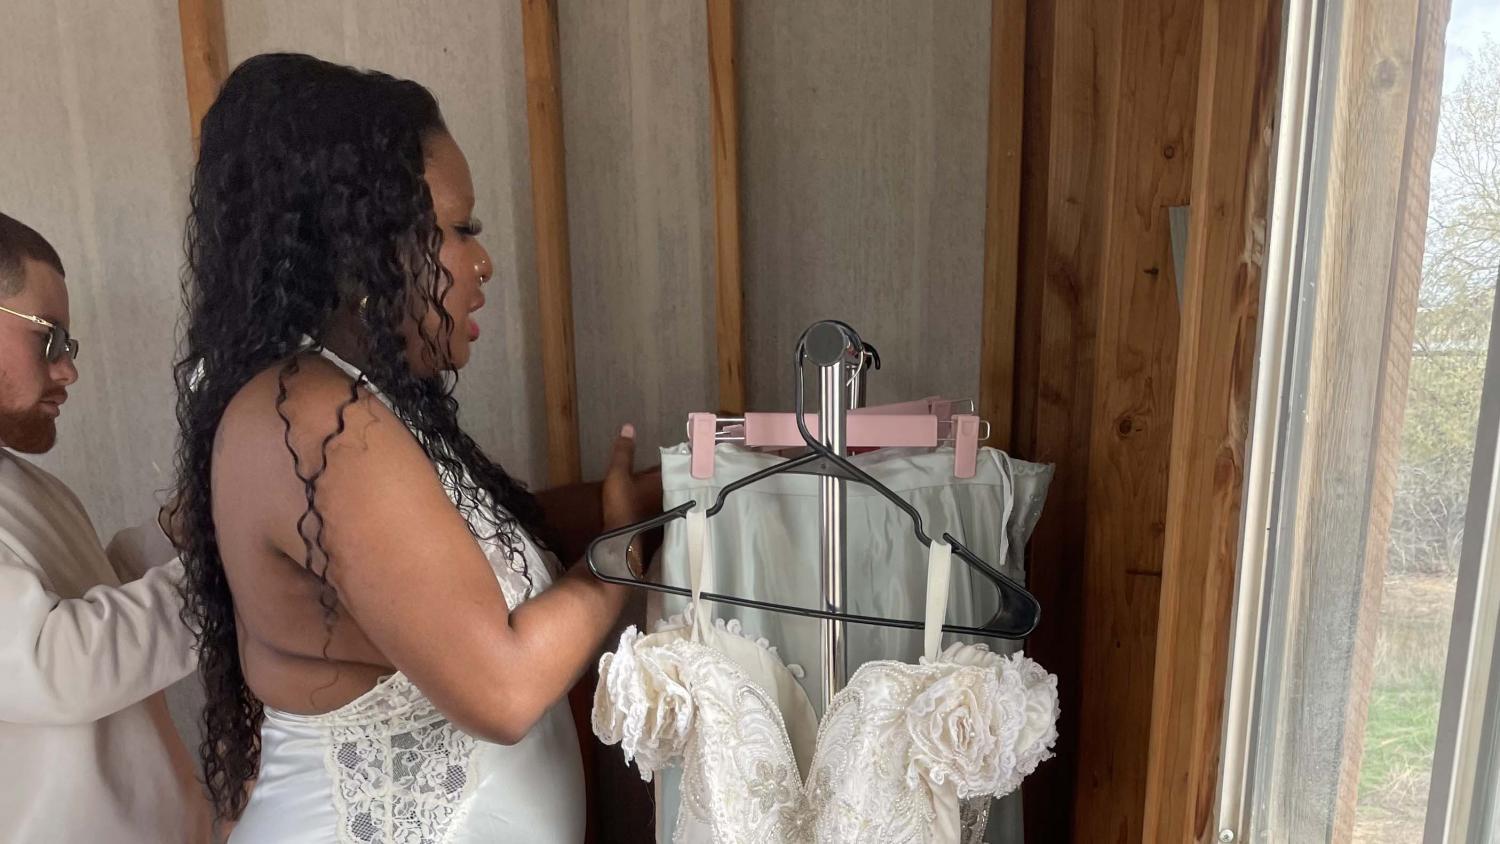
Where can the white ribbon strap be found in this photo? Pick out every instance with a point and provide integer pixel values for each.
(700, 566)
(939, 568)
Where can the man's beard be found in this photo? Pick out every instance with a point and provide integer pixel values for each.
(28, 431)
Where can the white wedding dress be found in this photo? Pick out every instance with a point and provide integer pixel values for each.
(388, 768)
(905, 753)
(776, 520)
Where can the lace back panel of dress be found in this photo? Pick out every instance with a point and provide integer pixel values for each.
(400, 779)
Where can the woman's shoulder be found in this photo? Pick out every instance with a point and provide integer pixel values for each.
(301, 401)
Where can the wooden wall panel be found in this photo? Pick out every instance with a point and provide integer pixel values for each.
(204, 56)
(1002, 218)
(863, 141)
(1231, 175)
(1107, 150)
(1068, 89)
(549, 215)
(1131, 428)
(729, 296)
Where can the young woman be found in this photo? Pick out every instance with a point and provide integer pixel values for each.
(386, 647)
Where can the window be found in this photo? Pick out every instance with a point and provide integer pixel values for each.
(1372, 508)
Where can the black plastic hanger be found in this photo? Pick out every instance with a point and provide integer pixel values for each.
(1016, 618)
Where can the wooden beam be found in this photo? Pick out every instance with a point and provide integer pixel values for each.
(1048, 797)
(1237, 86)
(725, 123)
(549, 200)
(1002, 219)
(205, 58)
(549, 208)
(1067, 91)
(1150, 156)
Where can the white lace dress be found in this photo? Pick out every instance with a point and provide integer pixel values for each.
(388, 768)
(905, 754)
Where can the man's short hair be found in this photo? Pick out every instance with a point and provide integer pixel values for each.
(19, 242)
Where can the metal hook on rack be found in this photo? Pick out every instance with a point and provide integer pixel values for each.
(869, 359)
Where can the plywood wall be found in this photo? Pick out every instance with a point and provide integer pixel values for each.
(863, 177)
(863, 148)
(862, 143)
(96, 159)
(640, 216)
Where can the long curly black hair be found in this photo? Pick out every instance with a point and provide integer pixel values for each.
(308, 196)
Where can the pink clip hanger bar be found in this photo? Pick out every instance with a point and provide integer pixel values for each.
(779, 430)
(965, 445)
(701, 432)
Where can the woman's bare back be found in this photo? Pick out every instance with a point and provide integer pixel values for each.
(300, 651)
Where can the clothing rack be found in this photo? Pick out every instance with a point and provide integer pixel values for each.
(842, 358)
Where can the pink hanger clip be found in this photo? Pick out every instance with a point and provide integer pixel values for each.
(965, 445)
(702, 431)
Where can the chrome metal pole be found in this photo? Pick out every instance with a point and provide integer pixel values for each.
(831, 492)
(830, 347)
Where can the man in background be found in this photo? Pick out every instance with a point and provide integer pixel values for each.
(89, 638)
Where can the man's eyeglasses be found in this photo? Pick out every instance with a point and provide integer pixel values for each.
(58, 340)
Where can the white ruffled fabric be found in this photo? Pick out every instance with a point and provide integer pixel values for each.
(642, 704)
(985, 725)
(900, 747)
